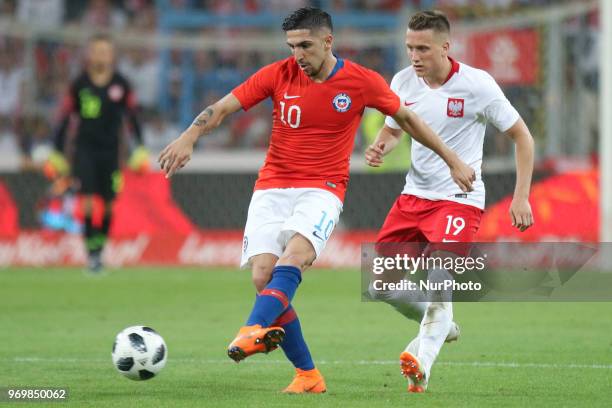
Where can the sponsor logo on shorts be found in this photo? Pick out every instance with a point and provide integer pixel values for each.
(245, 243)
(342, 102)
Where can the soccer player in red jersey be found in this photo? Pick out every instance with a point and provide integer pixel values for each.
(457, 101)
(318, 99)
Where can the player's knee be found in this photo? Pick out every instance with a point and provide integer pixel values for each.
(261, 275)
(299, 259)
(375, 294)
(260, 282)
(299, 253)
(391, 297)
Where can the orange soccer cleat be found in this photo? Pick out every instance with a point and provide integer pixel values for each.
(413, 370)
(254, 339)
(306, 381)
(415, 388)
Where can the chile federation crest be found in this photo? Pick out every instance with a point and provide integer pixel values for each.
(341, 102)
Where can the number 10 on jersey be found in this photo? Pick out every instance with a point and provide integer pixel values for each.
(294, 114)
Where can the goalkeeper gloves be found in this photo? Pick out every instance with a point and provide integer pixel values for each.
(139, 160)
(56, 166)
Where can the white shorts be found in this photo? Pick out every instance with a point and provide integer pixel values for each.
(276, 214)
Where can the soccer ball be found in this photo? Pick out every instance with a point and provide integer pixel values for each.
(139, 353)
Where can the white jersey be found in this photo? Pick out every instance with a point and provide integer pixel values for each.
(458, 112)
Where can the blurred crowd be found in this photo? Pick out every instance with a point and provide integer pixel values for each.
(27, 107)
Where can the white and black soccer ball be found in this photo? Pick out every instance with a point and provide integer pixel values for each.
(139, 353)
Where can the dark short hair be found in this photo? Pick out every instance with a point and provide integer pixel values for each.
(429, 20)
(309, 18)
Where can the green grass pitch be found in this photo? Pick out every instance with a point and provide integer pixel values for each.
(57, 327)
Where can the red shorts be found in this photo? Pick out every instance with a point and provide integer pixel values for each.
(414, 219)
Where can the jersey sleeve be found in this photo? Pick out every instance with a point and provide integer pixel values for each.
(389, 121)
(257, 87)
(379, 96)
(497, 109)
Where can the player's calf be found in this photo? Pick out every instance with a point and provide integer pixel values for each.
(262, 266)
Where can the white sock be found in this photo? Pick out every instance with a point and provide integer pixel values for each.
(413, 346)
(436, 322)
(434, 329)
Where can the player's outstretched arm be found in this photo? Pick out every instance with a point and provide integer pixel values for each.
(461, 173)
(386, 140)
(520, 210)
(176, 155)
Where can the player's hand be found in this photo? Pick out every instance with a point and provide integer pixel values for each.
(374, 154)
(463, 175)
(176, 155)
(520, 214)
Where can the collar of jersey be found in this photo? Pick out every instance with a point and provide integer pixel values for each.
(337, 67)
(453, 71)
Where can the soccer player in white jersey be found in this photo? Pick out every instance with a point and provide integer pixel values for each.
(456, 101)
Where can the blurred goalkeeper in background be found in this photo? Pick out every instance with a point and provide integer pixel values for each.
(100, 97)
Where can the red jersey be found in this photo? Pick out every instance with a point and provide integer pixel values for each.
(314, 124)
